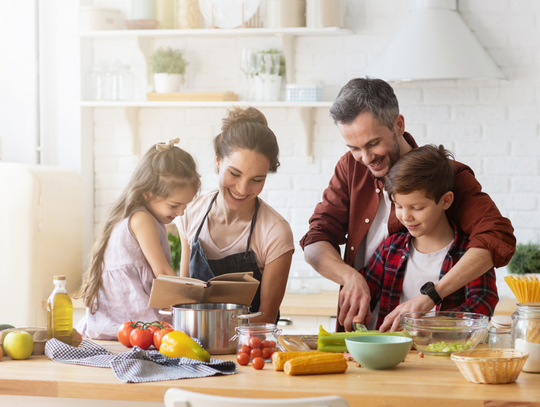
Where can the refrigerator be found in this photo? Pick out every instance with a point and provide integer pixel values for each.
(41, 235)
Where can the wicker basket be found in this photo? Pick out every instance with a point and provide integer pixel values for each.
(490, 365)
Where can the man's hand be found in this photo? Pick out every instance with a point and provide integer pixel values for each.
(419, 303)
(354, 299)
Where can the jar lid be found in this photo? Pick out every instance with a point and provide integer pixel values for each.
(59, 277)
(501, 321)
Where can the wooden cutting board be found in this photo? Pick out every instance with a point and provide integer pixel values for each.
(191, 97)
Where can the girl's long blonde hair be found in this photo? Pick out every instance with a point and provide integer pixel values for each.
(162, 171)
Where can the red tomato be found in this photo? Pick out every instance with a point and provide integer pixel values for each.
(257, 363)
(255, 342)
(125, 331)
(244, 349)
(267, 353)
(158, 336)
(255, 353)
(270, 344)
(141, 337)
(242, 359)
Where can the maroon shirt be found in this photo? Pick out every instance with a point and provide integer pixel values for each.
(352, 198)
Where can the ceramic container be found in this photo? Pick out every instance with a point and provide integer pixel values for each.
(378, 351)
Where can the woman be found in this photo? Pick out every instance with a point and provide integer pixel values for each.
(232, 230)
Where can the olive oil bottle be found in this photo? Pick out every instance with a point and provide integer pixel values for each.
(60, 312)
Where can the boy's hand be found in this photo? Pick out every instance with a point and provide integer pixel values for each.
(354, 299)
(392, 322)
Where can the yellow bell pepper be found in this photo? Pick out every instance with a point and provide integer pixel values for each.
(177, 344)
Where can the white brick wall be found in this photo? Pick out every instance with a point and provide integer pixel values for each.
(493, 126)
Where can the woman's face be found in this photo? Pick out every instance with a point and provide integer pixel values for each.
(242, 175)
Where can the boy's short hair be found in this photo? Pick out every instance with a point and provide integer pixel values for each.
(427, 168)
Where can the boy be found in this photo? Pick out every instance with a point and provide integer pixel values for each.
(406, 264)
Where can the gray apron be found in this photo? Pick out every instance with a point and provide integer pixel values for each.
(204, 269)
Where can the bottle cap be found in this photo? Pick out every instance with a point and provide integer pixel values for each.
(59, 277)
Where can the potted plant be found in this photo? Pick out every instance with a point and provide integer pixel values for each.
(526, 259)
(169, 67)
(270, 69)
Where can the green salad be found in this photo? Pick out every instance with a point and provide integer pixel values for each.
(444, 347)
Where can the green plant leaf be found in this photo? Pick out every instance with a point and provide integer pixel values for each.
(176, 251)
(526, 259)
(168, 60)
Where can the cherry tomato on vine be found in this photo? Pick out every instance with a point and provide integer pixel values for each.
(257, 363)
(141, 337)
(242, 359)
(124, 332)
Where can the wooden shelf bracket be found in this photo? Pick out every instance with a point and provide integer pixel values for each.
(306, 117)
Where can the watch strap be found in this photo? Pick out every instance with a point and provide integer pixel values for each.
(429, 290)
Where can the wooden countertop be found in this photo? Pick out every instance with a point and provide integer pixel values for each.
(417, 382)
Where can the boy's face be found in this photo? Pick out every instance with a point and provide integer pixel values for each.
(421, 215)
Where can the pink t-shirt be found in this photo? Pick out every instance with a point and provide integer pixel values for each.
(271, 238)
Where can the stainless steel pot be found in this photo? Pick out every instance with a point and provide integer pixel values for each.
(214, 324)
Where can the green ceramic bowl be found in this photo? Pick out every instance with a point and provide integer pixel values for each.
(378, 351)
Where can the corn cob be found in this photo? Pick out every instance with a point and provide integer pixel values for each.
(279, 358)
(316, 364)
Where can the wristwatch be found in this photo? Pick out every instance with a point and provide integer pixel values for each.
(429, 290)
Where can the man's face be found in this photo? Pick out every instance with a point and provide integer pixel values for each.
(373, 144)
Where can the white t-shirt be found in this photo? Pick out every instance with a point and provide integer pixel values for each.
(377, 233)
(272, 236)
(421, 268)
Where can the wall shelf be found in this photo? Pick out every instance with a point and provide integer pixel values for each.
(216, 32)
(131, 114)
(144, 103)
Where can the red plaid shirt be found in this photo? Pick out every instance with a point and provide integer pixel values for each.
(386, 270)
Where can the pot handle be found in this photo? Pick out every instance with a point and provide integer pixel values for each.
(166, 311)
(247, 316)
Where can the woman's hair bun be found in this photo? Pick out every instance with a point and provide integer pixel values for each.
(238, 115)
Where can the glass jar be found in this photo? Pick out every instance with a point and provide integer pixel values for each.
(188, 14)
(526, 334)
(165, 14)
(126, 83)
(95, 84)
(257, 336)
(110, 89)
(500, 337)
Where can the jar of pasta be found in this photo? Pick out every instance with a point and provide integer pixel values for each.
(188, 14)
(526, 334)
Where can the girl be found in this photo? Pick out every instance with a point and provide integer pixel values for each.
(231, 229)
(132, 247)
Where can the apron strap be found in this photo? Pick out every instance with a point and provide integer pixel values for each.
(253, 220)
(204, 217)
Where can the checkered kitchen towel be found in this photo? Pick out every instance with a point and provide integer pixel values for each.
(136, 365)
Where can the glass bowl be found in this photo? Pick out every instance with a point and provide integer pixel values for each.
(444, 332)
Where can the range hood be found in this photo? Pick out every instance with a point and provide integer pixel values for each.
(434, 43)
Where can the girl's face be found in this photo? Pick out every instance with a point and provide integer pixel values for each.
(241, 177)
(166, 209)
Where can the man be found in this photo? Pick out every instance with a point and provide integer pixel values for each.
(357, 211)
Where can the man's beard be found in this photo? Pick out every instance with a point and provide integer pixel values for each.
(393, 156)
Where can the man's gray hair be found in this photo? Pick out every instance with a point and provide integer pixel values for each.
(363, 95)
